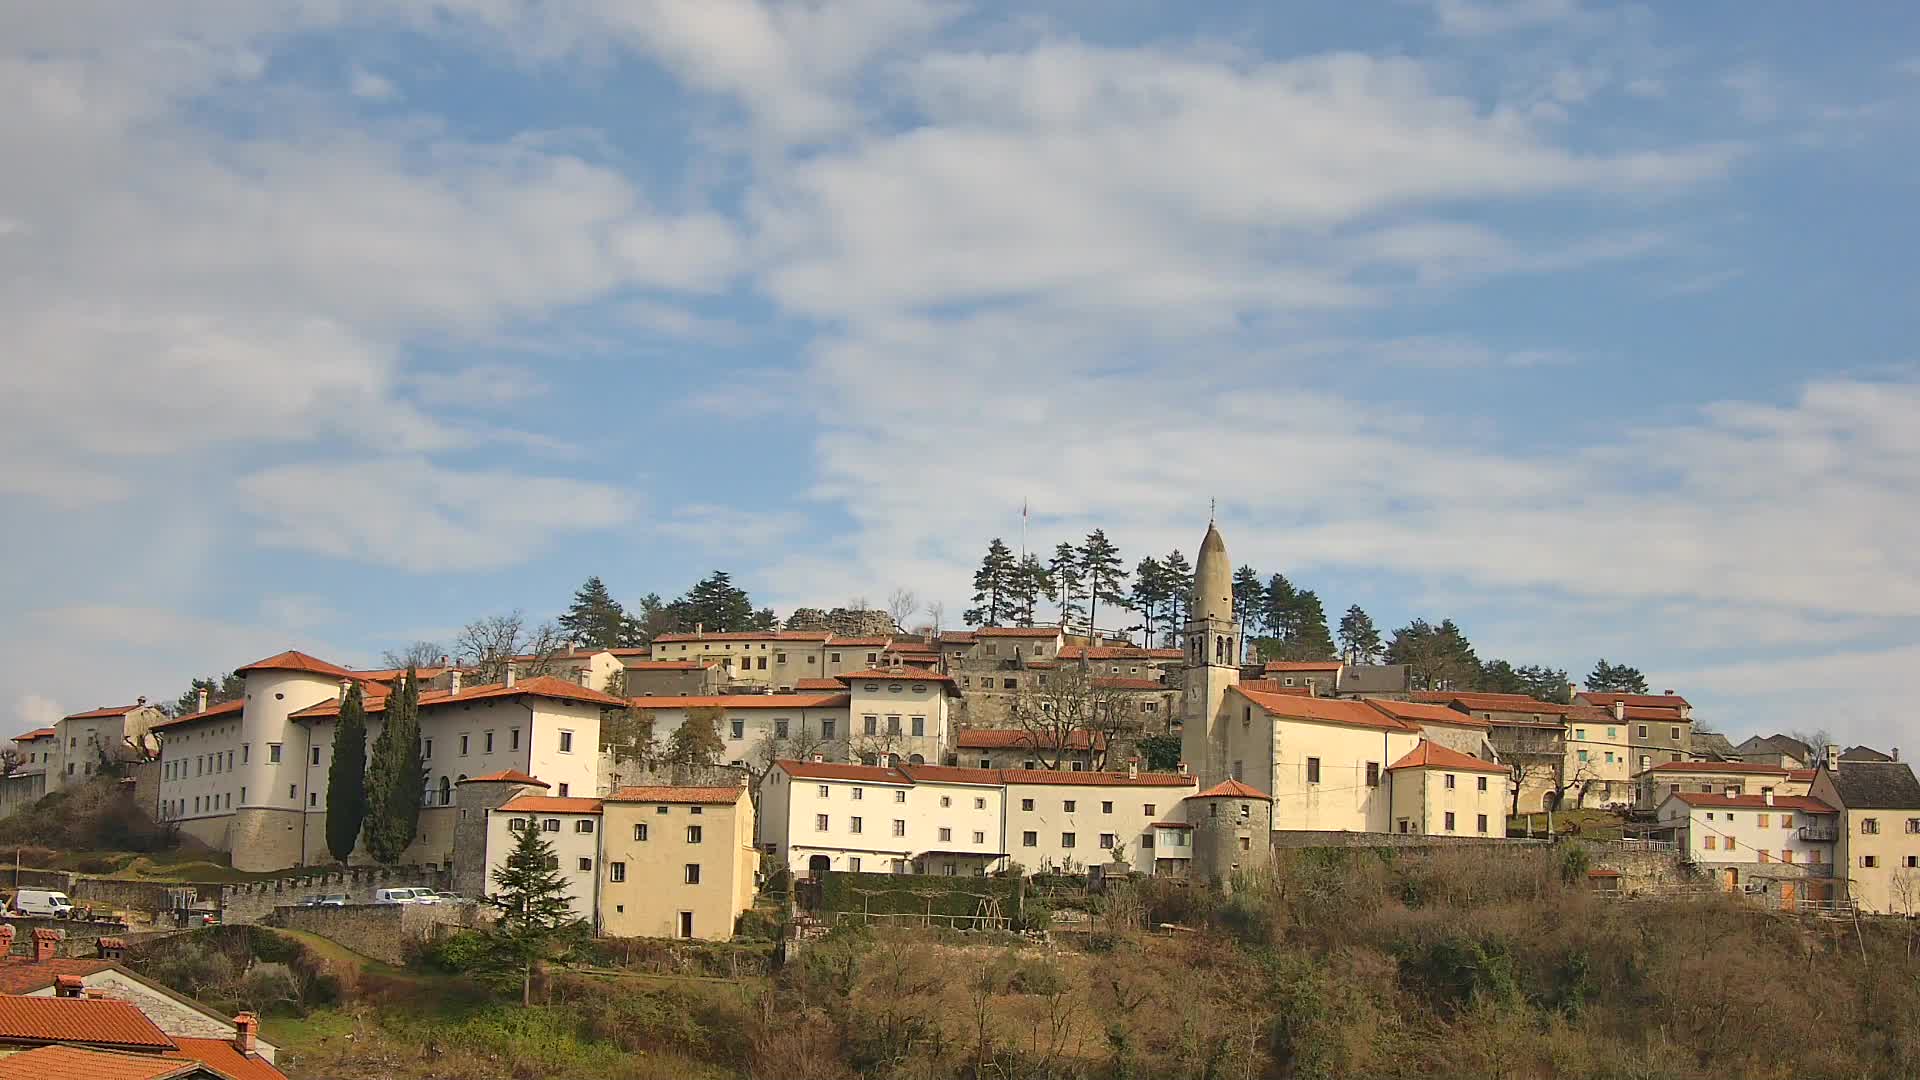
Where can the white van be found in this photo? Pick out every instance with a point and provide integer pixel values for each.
(394, 896)
(43, 902)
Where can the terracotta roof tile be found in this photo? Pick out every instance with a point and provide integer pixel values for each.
(1606, 700)
(550, 804)
(507, 776)
(1718, 767)
(1420, 712)
(19, 975)
(1232, 789)
(225, 1058)
(860, 642)
(1017, 631)
(1710, 800)
(1117, 652)
(36, 733)
(1094, 779)
(540, 686)
(957, 637)
(702, 796)
(899, 673)
(79, 1063)
(951, 774)
(664, 665)
(746, 635)
(1274, 686)
(1431, 755)
(746, 701)
(1324, 710)
(214, 712)
(831, 685)
(835, 770)
(92, 1021)
(295, 660)
(104, 712)
(1482, 702)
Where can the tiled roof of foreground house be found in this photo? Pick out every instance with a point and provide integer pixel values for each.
(550, 804)
(1877, 785)
(1719, 767)
(1231, 789)
(1431, 755)
(1420, 712)
(36, 733)
(1632, 701)
(540, 686)
(212, 712)
(105, 711)
(1711, 800)
(685, 796)
(746, 701)
(295, 660)
(92, 1021)
(1324, 710)
(506, 776)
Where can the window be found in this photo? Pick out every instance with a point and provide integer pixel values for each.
(586, 864)
(1069, 804)
(1148, 810)
(858, 794)
(1026, 804)
(1450, 778)
(979, 837)
(640, 832)
(1029, 839)
(1066, 839)
(900, 796)
(1913, 861)
(855, 825)
(1481, 785)
(1449, 821)
(826, 791)
(563, 791)
(1675, 735)
(584, 826)
(1313, 770)
(659, 809)
(1870, 826)
(293, 791)
(486, 740)
(1869, 861)
(1373, 774)
(616, 871)
(551, 824)
(827, 728)
(762, 665)
(693, 834)
(737, 729)
(692, 878)
(853, 863)
(566, 742)
(780, 729)
(871, 724)
(1762, 852)
(1710, 842)
(819, 823)
(1786, 821)
(1106, 808)
(899, 827)
(946, 801)
(316, 755)
(779, 658)
(1580, 734)
(426, 748)
(1786, 855)
(1481, 823)
(1765, 820)
(1010, 684)
(835, 658)
(1643, 731)
(946, 835)
(919, 725)
(1815, 857)
(513, 738)
(1582, 754)
(1913, 825)
(979, 804)
(273, 753)
(1106, 841)
(893, 725)
(464, 741)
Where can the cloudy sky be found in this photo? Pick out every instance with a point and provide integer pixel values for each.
(333, 324)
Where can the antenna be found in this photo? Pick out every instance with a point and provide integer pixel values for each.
(1213, 507)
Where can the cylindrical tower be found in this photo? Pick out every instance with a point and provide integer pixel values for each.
(1232, 831)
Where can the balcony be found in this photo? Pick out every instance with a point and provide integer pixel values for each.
(1820, 834)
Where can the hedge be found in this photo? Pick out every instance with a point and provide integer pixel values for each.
(915, 894)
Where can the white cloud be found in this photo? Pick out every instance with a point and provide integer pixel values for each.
(33, 711)
(369, 86)
(411, 514)
(1482, 18)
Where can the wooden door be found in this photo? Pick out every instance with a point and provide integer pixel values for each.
(1729, 879)
(1787, 900)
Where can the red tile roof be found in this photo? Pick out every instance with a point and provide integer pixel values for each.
(829, 684)
(1019, 739)
(223, 1057)
(19, 975)
(746, 701)
(957, 637)
(1802, 774)
(1232, 789)
(390, 674)
(1093, 779)
(1303, 665)
(700, 796)
(1718, 767)
(1431, 755)
(214, 712)
(540, 686)
(746, 635)
(36, 733)
(509, 776)
(79, 1063)
(103, 712)
(1324, 710)
(1274, 686)
(861, 642)
(1018, 631)
(295, 660)
(1479, 702)
(896, 674)
(92, 1021)
(1606, 700)
(550, 804)
(1710, 800)
(836, 770)
(951, 774)
(1419, 713)
(665, 665)
(1663, 715)
(1117, 652)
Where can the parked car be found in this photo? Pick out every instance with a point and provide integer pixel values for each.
(396, 896)
(43, 902)
(433, 896)
(335, 900)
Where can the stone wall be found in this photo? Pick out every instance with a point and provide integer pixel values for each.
(253, 902)
(1643, 872)
(386, 932)
(27, 877)
(21, 789)
(122, 894)
(1288, 839)
(77, 939)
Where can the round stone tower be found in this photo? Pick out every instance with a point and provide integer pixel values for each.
(1212, 662)
(1232, 831)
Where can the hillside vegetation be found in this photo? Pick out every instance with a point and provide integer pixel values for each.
(1469, 964)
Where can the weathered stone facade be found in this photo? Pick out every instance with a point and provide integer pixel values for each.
(386, 932)
(251, 903)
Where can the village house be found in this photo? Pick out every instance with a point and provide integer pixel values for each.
(1529, 735)
(774, 659)
(1439, 791)
(1446, 727)
(1321, 676)
(1019, 748)
(1599, 763)
(676, 861)
(1068, 821)
(1877, 845)
(1722, 777)
(84, 741)
(1659, 726)
(80, 1030)
(571, 825)
(756, 728)
(1780, 846)
(1776, 749)
(884, 818)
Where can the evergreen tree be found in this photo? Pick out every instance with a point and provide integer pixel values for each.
(347, 776)
(1440, 656)
(1180, 591)
(1278, 610)
(1162, 752)
(596, 620)
(697, 740)
(1247, 601)
(653, 617)
(764, 619)
(992, 587)
(1103, 575)
(535, 908)
(1359, 639)
(1307, 629)
(1028, 585)
(1150, 594)
(220, 689)
(396, 775)
(1064, 577)
(714, 604)
(1498, 677)
(1616, 679)
(1545, 683)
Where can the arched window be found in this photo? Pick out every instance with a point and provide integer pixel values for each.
(917, 760)
(446, 791)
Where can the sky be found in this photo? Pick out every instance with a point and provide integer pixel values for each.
(334, 324)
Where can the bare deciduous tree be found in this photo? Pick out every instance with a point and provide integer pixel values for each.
(1064, 710)
(10, 761)
(773, 746)
(901, 604)
(487, 644)
(418, 654)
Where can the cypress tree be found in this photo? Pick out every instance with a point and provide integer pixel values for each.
(347, 776)
(396, 776)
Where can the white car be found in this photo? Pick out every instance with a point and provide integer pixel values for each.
(395, 896)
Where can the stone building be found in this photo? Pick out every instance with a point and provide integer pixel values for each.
(1232, 831)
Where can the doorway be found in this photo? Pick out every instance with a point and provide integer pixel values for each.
(686, 924)
(818, 866)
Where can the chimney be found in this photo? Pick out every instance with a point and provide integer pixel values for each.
(95, 993)
(203, 700)
(346, 687)
(46, 944)
(141, 701)
(1183, 768)
(7, 933)
(1669, 693)
(245, 1027)
(886, 761)
(1832, 754)
(68, 986)
(453, 685)
(1767, 794)
(1133, 768)
(586, 677)
(111, 948)
(445, 660)
(510, 673)
(1896, 754)
(699, 629)
(1620, 711)
(818, 758)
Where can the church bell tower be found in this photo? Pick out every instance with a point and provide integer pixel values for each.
(1212, 662)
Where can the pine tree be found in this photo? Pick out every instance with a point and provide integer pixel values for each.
(1028, 585)
(1498, 677)
(1278, 609)
(1309, 638)
(596, 620)
(1545, 683)
(1064, 577)
(1180, 590)
(714, 604)
(1248, 602)
(220, 689)
(1103, 575)
(697, 740)
(1440, 656)
(347, 777)
(396, 775)
(1616, 679)
(1149, 594)
(535, 906)
(992, 587)
(1359, 639)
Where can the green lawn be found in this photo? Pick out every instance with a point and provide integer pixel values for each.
(1591, 824)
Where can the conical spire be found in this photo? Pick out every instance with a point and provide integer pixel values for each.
(1213, 579)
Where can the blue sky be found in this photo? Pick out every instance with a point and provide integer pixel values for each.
(335, 325)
